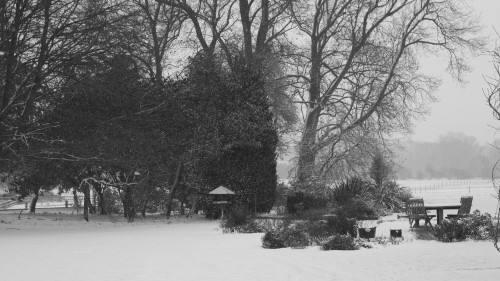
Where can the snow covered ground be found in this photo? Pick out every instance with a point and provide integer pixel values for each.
(56, 247)
(450, 191)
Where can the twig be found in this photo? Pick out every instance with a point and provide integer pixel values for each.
(19, 217)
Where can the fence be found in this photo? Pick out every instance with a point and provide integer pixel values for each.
(434, 185)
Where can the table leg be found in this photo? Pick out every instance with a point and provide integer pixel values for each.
(439, 213)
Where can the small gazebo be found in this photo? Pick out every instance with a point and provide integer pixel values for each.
(221, 197)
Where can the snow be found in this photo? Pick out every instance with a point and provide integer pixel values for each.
(64, 247)
(52, 247)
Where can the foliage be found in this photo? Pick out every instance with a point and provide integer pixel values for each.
(272, 240)
(295, 237)
(451, 230)
(111, 201)
(282, 192)
(315, 230)
(390, 196)
(235, 143)
(299, 202)
(237, 219)
(308, 196)
(378, 240)
(349, 189)
(476, 226)
(360, 196)
(480, 225)
(302, 233)
(358, 208)
(340, 242)
(342, 225)
(380, 171)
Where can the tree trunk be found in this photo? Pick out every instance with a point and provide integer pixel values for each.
(129, 197)
(144, 207)
(246, 27)
(307, 154)
(101, 206)
(124, 201)
(34, 200)
(76, 203)
(260, 42)
(194, 205)
(182, 207)
(86, 201)
(174, 189)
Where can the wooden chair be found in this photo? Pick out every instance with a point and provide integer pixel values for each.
(465, 206)
(415, 210)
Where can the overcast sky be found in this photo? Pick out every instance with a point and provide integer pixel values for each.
(463, 108)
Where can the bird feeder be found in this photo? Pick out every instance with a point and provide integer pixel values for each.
(221, 198)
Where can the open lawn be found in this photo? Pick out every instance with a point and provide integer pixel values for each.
(63, 247)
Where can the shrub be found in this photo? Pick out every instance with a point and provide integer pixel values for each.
(295, 238)
(450, 230)
(361, 209)
(285, 237)
(316, 231)
(350, 189)
(307, 196)
(111, 200)
(300, 202)
(272, 240)
(340, 242)
(342, 225)
(236, 219)
(390, 196)
(479, 226)
(476, 226)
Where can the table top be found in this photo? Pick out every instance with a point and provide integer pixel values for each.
(442, 206)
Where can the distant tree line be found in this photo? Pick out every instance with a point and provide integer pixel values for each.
(454, 156)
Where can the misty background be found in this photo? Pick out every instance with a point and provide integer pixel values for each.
(454, 156)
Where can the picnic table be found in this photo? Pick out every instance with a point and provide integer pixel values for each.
(440, 208)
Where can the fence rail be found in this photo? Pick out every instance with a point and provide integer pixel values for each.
(435, 185)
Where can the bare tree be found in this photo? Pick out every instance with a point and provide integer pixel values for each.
(492, 94)
(358, 69)
(152, 29)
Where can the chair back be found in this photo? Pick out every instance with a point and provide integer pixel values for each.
(465, 205)
(415, 206)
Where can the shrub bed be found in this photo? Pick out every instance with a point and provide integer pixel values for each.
(476, 226)
(340, 242)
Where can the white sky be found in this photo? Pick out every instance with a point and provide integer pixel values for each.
(463, 108)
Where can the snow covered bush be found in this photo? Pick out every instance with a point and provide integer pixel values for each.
(340, 242)
(450, 230)
(272, 240)
(342, 225)
(479, 226)
(295, 238)
(476, 226)
(237, 219)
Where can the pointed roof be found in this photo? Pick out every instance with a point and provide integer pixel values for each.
(221, 190)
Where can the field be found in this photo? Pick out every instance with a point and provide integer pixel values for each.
(450, 191)
(53, 247)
